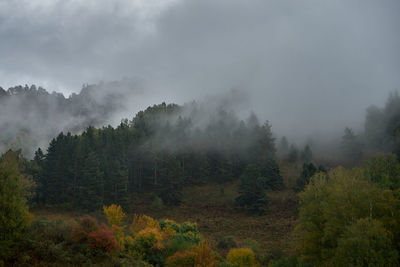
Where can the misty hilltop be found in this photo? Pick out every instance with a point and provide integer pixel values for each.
(31, 116)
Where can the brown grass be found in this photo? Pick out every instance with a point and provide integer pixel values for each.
(217, 216)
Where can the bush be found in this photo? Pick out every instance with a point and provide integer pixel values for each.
(204, 256)
(227, 242)
(51, 242)
(272, 255)
(56, 231)
(103, 240)
(85, 226)
(243, 257)
(253, 245)
(183, 258)
(141, 222)
(157, 204)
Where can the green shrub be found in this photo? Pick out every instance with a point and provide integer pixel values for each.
(157, 204)
(56, 231)
(227, 242)
(251, 244)
(273, 254)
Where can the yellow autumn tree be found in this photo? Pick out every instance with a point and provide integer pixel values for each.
(242, 257)
(115, 216)
(141, 222)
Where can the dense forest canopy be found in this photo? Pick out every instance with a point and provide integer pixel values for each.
(158, 150)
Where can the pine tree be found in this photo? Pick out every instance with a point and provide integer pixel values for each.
(121, 194)
(92, 188)
(252, 195)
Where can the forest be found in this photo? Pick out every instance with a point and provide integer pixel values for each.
(182, 185)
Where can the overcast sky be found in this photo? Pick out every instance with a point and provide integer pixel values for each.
(313, 62)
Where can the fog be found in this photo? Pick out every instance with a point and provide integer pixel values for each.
(309, 67)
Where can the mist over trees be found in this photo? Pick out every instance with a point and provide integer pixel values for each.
(382, 126)
(31, 116)
(158, 150)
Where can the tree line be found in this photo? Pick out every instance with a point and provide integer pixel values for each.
(158, 150)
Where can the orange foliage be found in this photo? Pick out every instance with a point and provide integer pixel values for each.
(103, 240)
(204, 256)
(141, 222)
(183, 258)
(85, 226)
(152, 233)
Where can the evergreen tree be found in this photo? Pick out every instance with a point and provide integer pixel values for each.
(272, 177)
(171, 182)
(52, 179)
(121, 194)
(308, 171)
(252, 195)
(92, 186)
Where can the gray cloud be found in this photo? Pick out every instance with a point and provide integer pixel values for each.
(308, 66)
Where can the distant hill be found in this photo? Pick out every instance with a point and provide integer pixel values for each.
(30, 116)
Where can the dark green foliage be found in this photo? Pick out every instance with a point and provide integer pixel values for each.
(92, 187)
(272, 178)
(384, 169)
(157, 203)
(382, 125)
(308, 171)
(252, 192)
(253, 245)
(273, 255)
(158, 151)
(227, 242)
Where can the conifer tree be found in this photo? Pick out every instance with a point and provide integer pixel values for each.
(92, 188)
(252, 195)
